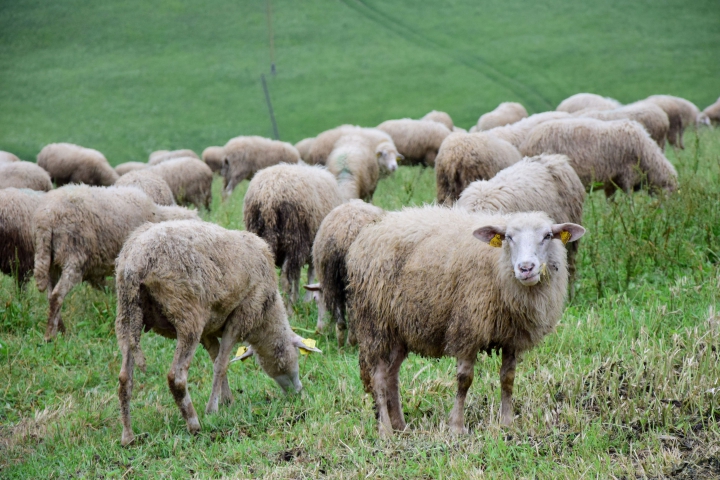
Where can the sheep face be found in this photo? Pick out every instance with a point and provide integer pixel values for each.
(387, 157)
(703, 119)
(281, 364)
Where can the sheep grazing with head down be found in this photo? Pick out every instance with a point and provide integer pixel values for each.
(161, 156)
(418, 141)
(284, 205)
(337, 232)
(24, 175)
(712, 112)
(516, 133)
(189, 179)
(440, 117)
(245, 156)
(466, 157)
(152, 184)
(201, 284)
(429, 280)
(78, 232)
(7, 157)
(582, 101)
(506, 113)
(68, 163)
(681, 113)
(647, 114)
(618, 153)
(17, 252)
(213, 157)
(303, 147)
(128, 167)
(323, 145)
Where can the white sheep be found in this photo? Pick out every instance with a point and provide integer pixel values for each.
(418, 141)
(68, 163)
(24, 175)
(506, 113)
(516, 133)
(245, 156)
(582, 101)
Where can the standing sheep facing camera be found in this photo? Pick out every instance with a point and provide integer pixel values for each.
(17, 252)
(152, 184)
(24, 175)
(284, 205)
(516, 133)
(681, 113)
(428, 280)
(618, 153)
(68, 163)
(198, 282)
(213, 157)
(78, 232)
(245, 156)
(189, 179)
(418, 141)
(440, 117)
(161, 156)
(582, 101)
(647, 114)
(466, 157)
(505, 114)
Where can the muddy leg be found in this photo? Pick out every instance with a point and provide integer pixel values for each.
(507, 379)
(379, 387)
(465, 374)
(212, 345)
(220, 388)
(397, 419)
(71, 276)
(125, 393)
(177, 379)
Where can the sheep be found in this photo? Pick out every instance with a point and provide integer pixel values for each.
(546, 183)
(582, 101)
(505, 114)
(515, 133)
(78, 232)
(419, 282)
(7, 157)
(161, 156)
(647, 114)
(213, 156)
(200, 283)
(336, 233)
(303, 147)
(127, 167)
(681, 113)
(712, 112)
(466, 157)
(284, 205)
(618, 153)
(152, 184)
(245, 156)
(68, 163)
(17, 252)
(418, 141)
(356, 165)
(24, 175)
(189, 179)
(440, 117)
(324, 143)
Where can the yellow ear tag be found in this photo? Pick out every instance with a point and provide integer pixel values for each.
(310, 343)
(565, 236)
(496, 241)
(240, 352)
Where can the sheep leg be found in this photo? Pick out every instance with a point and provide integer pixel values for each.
(220, 388)
(397, 418)
(507, 379)
(212, 345)
(177, 378)
(465, 374)
(310, 280)
(379, 387)
(125, 393)
(69, 278)
(340, 326)
(352, 335)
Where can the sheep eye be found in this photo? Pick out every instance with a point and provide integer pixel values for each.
(548, 236)
(508, 237)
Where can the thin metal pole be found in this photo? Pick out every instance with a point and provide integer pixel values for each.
(268, 4)
(270, 109)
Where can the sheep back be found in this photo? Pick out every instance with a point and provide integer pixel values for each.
(189, 179)
(17, 251)
(245, 156)
(440, 117)
(8, 157)
(24, 175)
(417, 140)
(681, 114)
(68, 163)
(516, 133)
(152, 184)
(649, 115)
(505, 114)
(582, 101)
(160, 156)
(213, 156)
(127, 167)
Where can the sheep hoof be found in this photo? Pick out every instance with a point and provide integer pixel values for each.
(459, 429)
(127, 438)
(194, 425)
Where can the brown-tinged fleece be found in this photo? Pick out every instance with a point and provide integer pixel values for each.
(516, 133)
(8, 157)
(681, 113)
(189, 179)
(213, 156)
(200, 284)
(24, 175)
(303, 147)
(245, 156)
(426, 280)
(284, 205)
(466, 157)
(151, 183)
(505, 114)
(416, 140)
(324, 143)
(582, 101)
(68, 163)
(337, 232)
(78, 232)
(617, 153)
(647, 114)
(127, 167)
(712, 112)
(17, 252)
(160, 156)
(440, 117)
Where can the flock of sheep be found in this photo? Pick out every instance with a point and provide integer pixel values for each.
(484, 269)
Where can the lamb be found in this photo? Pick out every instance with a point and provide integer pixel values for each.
(189, 179)
(417, 141)
(245, 156)
(681, 113)
(6, 157)
(68, 163)
(356, 165)
(78, 232)
(213, 156)
(284, 205)
(440, 117)
(127, 167)
(505, 114)
(324, 143)
(337, 232)
(618, 153)
(516, 133)
(303, 147)
(24, 175)
(152, 184)
(712, 112)
(466, 157)
(161, 156)
(17, 253)
(198, 282)
(647, 114)
(419, 282)
(582, 101)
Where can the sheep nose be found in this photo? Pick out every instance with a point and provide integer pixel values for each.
(526, 267)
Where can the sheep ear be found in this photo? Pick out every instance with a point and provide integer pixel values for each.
(493, 235)
(400, 156)
(567, 232)
(304, 344)
(243, 353)
(313, 287)
(378, 154)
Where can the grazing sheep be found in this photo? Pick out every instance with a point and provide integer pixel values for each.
(459, 130)
(8, 157)
(189, 179)
(78, 232)
(160, 156)
(200, 283)
(245, 156)
(712, 112)
(284, 205)
(647, 114)
(17, 252)
(440, 117)
(466, 157)
(356, 165)
(24, 175)
(303, 147)
(337, 232)
(516, 133)
(127, 167)
(324, 143)
(213, 156)
(420, 281)
(505, 114)
(418, 141)
(151, 183)
(68, 163)
(681, 113)
(582, 101)
(618, 153)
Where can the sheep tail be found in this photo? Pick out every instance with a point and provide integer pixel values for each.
(129, 320)
(43, 257)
